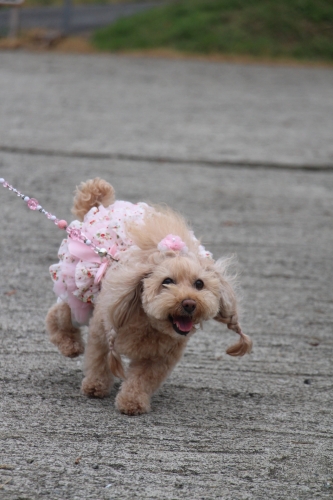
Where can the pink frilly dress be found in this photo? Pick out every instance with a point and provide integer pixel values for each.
(77, 276)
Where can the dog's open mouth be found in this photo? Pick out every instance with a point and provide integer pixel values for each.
(181, 324)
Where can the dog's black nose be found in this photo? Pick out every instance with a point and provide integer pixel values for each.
(189, 305)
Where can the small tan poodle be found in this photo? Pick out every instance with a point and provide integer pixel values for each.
(143, 282)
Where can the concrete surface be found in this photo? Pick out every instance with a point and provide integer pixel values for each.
(158, 108)
(220, 428)
(83, 18)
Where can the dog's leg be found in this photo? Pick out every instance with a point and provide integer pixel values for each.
(98, 381)
(142, 380)
(62, 332)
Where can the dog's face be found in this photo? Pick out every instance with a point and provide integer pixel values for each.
(180, 293)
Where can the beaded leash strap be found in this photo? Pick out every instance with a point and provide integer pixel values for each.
(73, 233)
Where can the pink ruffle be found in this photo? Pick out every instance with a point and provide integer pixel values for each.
(77, 276)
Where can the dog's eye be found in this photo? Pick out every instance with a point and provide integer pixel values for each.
(168, 281)
(199, 284)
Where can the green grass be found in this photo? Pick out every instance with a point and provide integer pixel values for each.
(301, 29)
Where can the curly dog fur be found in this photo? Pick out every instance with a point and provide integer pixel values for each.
(143, 306)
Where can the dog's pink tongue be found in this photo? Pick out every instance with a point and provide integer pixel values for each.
(183, 323)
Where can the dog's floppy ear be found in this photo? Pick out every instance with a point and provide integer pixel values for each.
(126, 292)
(228, 312)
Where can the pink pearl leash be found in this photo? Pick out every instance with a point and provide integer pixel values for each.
(74, 234)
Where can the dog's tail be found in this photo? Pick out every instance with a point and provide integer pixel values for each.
(92, 193)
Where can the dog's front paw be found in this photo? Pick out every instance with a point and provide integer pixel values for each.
(71, 348)
(133, 404)
(96, 388)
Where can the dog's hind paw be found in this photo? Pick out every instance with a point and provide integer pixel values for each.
(96, 388)
(133, 404)
(62, 332)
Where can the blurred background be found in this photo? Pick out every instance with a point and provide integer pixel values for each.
(284, 29)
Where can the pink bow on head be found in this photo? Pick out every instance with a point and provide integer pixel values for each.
(172, 242)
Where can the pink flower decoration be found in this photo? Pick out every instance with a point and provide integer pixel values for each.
(172, 242)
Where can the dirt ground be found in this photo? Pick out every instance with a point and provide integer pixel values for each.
(42, 40)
